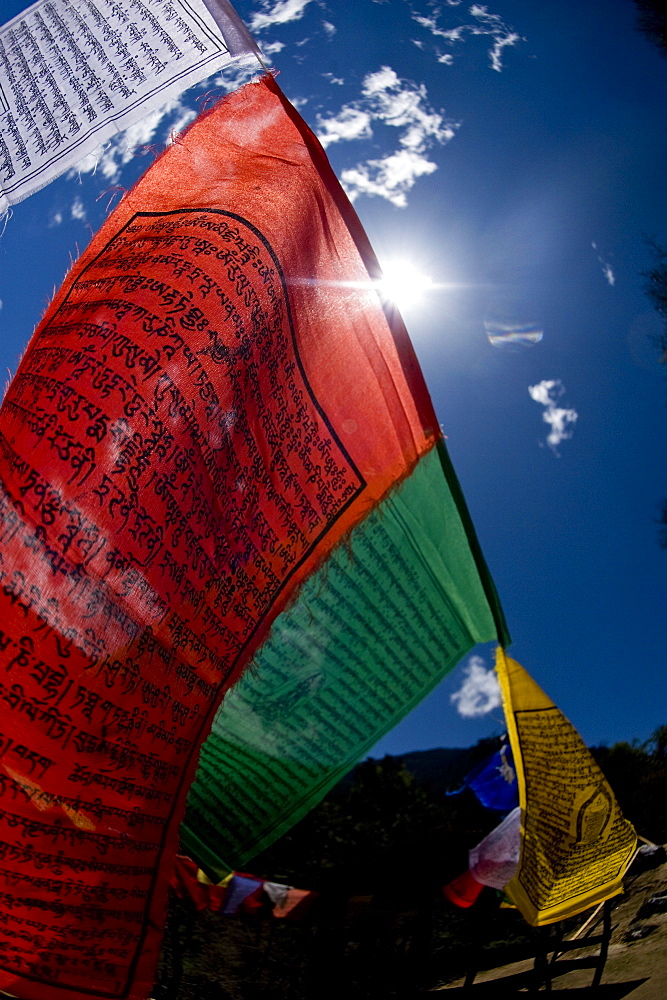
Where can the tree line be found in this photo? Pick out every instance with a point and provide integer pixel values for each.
(378, 850)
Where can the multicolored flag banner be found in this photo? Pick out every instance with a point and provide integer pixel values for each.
(213, 402)
(73, 73)
(576, 844)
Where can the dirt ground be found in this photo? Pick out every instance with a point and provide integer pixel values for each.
(636, 965)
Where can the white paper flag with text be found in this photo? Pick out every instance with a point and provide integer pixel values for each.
(75, 72)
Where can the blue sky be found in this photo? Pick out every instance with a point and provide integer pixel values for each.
(514, 153)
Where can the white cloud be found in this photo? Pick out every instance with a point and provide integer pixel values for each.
(329, 28)
(607, 271)
(281, 12)
(109, 158)
(609, 274)
(449, 34)
(390, 177)
(387, 100)
(495, 53)
(55, 219)
(382, 79)
(271, 48)
(186, 116)
(77, 210)
(561, 420)
(479, 693)
(349, 123)
(237, 74)
(484, 24)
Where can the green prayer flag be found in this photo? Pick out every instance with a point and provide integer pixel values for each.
(373, 631)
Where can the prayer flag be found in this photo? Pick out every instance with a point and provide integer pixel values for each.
(495, 859)
(191, 883)
(576, 844)
(73, 73)
(238, 890)
(298, 903)
(494, 781)
(463, 891)
(214, 400)
(367, 637)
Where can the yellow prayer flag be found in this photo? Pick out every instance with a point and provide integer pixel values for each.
(575, 842)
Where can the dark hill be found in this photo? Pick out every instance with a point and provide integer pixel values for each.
(442, 768)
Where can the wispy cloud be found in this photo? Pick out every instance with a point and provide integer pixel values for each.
(109, 159)
(239, 73)
(77, 210)
(329, 28)
(387, 100)
(482, 24)
(606, 267)
(390, 177)
(186, 116)
(271, 48)
(280, 12)
(492, 24)
(547, 393)
(431, 24)
(609, 274)
(479, 693)
(350, 123)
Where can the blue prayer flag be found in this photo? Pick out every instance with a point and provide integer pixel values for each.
(494, 781)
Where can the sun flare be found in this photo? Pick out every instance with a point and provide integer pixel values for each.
(404, 284)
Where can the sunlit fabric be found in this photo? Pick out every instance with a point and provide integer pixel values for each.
(575, 843)
(495, 859)
(93, 74)
(494, 781)
(369, 635)
(193, 432)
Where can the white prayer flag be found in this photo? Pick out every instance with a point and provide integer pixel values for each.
(495, 860)
(75, 72)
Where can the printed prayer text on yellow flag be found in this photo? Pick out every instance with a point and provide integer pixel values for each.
(575, 842)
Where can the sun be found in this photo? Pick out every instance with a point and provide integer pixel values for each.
(404, 284)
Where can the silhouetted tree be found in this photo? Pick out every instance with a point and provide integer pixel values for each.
(377, 849)
(657, 745)
(655, 286)
(371, 823)
(638, 776)
(652, 21)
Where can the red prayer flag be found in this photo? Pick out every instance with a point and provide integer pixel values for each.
(212, 400)
(463, 891)
(190, 883)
